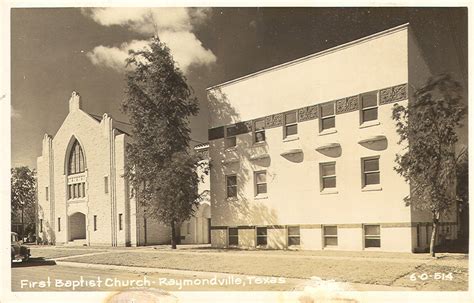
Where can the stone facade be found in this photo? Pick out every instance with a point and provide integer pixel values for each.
(83, 198)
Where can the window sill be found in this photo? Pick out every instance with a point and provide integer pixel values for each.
(369, 124)
(329, 191)
(257, 144)
(229, 149)
(291, 138)
(328, 132)
(372, 188)
(231, 199)
(260, 197)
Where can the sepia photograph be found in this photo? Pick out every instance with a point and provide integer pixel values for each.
(196, 153)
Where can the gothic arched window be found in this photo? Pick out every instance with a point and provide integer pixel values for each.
(76, 159)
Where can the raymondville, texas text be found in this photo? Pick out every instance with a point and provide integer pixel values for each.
(100, 282)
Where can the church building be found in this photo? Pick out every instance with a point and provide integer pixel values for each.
(83, 198)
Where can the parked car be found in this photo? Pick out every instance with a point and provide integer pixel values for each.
(19, 251)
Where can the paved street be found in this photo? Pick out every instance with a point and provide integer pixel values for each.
(45, 275)
(61, 278)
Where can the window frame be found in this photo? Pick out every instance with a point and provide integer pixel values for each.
(286, 124)
(59, 224)
(325, 236)
(120, 221)
(76, 162)
(256, 183)
(106, 184)
(227, 137)
(95, 222)
(47, 193)
(363, 109)
(257, 236)
(236, 236)
(374, 237)
(322, 118)
(227, 186)
(364, 173)
(321, 177)
(288, 236)
(257, 131)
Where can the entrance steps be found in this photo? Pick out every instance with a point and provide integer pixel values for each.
(77, 242)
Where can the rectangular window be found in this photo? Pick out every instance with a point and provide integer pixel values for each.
(328, 118)
(328, 175)
(76, 190)
(95, 222)
(369, 110)
(188, 228)
(106, 184)
(41, 225)
(231, 183)
(69, 192)
(330, 235)
(370, 171)
(230, 136)
(261, 236)
(259, 131)
(372, 235)
(81, 190)
(59, 224)
(47, 193)
(291, 126)
(120, 222)
(293, 235)
(233, 237)
(261, 182)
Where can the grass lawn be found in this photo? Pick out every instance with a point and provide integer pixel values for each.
(368, 271)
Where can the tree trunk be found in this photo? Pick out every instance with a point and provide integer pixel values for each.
(434, 234)
(173, 234)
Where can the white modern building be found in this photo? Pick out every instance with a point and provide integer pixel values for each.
(83, 198)
(302, 153)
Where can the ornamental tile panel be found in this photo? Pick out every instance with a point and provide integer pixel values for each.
(274, 120)
(399, 92)
(386, 96)
(308, 113)
(346, 105)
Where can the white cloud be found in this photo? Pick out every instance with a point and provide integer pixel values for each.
(174, 26)
(114, 57)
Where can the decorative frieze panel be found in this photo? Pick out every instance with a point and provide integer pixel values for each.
(393, 94)
(346, 105)
(400, 92)
(274, 120)
(216, 133)
(308, 113)
(243, 127)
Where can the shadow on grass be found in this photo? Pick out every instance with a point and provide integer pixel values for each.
(41, 261)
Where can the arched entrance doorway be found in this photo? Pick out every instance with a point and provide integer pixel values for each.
(77, 226)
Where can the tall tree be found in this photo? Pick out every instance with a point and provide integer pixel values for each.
(429, 124)
(23, 196)
(161, 166)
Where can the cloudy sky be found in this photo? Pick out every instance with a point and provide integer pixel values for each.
(56, 51)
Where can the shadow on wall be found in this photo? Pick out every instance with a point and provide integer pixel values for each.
(47, 236)
(243, 161)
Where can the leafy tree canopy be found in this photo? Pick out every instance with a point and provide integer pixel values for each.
(161, 166)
